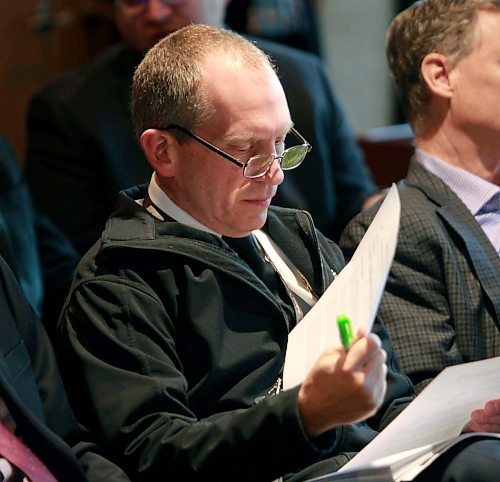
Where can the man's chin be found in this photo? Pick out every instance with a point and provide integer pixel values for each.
(259, 222)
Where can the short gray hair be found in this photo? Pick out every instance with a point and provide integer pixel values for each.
(168, 83)
(441, 26)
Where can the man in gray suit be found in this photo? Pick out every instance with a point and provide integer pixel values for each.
(442, 300)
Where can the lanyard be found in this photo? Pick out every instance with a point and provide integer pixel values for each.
(290, 275)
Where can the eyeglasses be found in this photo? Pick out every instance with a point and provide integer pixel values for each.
(140, 5)
(258, 166)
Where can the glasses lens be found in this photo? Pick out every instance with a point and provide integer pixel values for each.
(293, 157)
(257, 166)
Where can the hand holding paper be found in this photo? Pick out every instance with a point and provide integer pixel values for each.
(344, 387)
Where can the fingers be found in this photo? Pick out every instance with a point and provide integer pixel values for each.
(376, 369)
(344, 387)
(492, 407)
(366, 359)
(486, 419)
(482, 427)
(328, 364)
(375, 384)
(483, 417)
(361, 352)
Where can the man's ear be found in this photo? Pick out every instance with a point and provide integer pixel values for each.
(156, 145)
(435, 71)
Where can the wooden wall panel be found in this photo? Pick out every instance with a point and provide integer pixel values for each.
(39, 40)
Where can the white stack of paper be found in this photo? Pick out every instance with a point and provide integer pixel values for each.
(355, 293)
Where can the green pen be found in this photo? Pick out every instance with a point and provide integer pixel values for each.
(345, 329)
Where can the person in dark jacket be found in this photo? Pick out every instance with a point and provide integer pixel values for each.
(81, 147)
(33, 401)
(176, 320)
(291, 22)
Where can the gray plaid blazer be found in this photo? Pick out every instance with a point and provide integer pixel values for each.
(442, 300)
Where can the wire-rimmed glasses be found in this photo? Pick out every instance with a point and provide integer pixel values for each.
(259, 165)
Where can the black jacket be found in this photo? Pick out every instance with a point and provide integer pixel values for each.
(32, 390)
(179, 343)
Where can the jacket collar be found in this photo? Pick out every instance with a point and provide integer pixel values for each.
(131, 225)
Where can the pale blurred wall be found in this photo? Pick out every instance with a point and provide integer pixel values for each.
(353, 43)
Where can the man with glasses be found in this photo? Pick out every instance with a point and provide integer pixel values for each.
(177, 321)
(81, 144)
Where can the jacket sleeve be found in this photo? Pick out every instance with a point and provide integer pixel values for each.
(122, 341)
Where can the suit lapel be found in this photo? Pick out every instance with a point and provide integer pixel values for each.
(455, 214)
(16, 377)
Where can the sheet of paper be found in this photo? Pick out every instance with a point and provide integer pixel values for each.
(439, 412)
(355, 293)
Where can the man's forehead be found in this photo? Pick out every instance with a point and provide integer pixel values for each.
(253, 136)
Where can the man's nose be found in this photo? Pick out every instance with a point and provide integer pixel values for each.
(156, 10)
(275, 175)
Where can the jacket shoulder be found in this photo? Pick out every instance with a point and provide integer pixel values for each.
(79, 83)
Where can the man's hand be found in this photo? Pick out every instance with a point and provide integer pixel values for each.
(486, 419)
(344, 387)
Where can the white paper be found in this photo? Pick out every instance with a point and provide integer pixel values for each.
(355, 293)
(438, 413)
(403, 466)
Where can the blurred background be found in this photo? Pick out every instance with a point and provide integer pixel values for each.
(40, 39)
